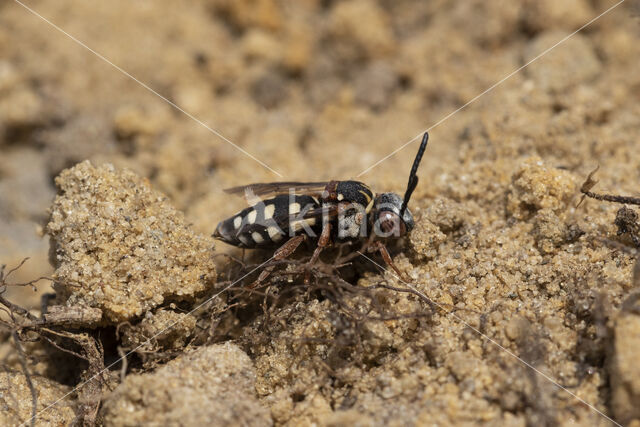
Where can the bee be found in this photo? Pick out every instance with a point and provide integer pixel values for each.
(284, 214)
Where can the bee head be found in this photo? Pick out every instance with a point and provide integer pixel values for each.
(391, 213)
(388, 219)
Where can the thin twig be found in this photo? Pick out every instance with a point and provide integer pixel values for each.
(123, 368)
(27, 375)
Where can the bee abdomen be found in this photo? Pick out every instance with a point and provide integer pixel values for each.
(266, 223)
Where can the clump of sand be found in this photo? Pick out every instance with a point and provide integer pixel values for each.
(166, 328)
(119, 246)
(17, 403)
(623, 356)
(211, 385)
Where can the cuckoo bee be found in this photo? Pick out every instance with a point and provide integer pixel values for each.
(286, 213)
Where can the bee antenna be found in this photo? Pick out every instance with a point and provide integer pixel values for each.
(413, 178)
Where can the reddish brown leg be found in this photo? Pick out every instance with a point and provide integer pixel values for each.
(355, 254)
(288, 248)
(323, 242)
(378, 246)
(281, 253)
(264, 275)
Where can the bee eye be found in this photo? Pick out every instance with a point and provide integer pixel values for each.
(387, 225)
(391, 224)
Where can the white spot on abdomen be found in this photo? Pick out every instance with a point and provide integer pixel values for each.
(298, 225)
(268, 211)
(294, 208)
(251, 216)
(274, 233)
(257, 237)
(237, 222)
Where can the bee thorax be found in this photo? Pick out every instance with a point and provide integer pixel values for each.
(352, 226)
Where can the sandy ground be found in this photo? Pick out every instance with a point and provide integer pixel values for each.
(319, 90)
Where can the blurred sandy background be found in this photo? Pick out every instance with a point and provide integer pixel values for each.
(314, 89)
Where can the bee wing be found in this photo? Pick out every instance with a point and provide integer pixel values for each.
(324, 211)
(254, 193)
(317, 214)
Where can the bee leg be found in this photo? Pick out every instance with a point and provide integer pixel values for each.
(288, 248)
(378, 246)
(281, 253)
(323, 242)
(264, 275)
